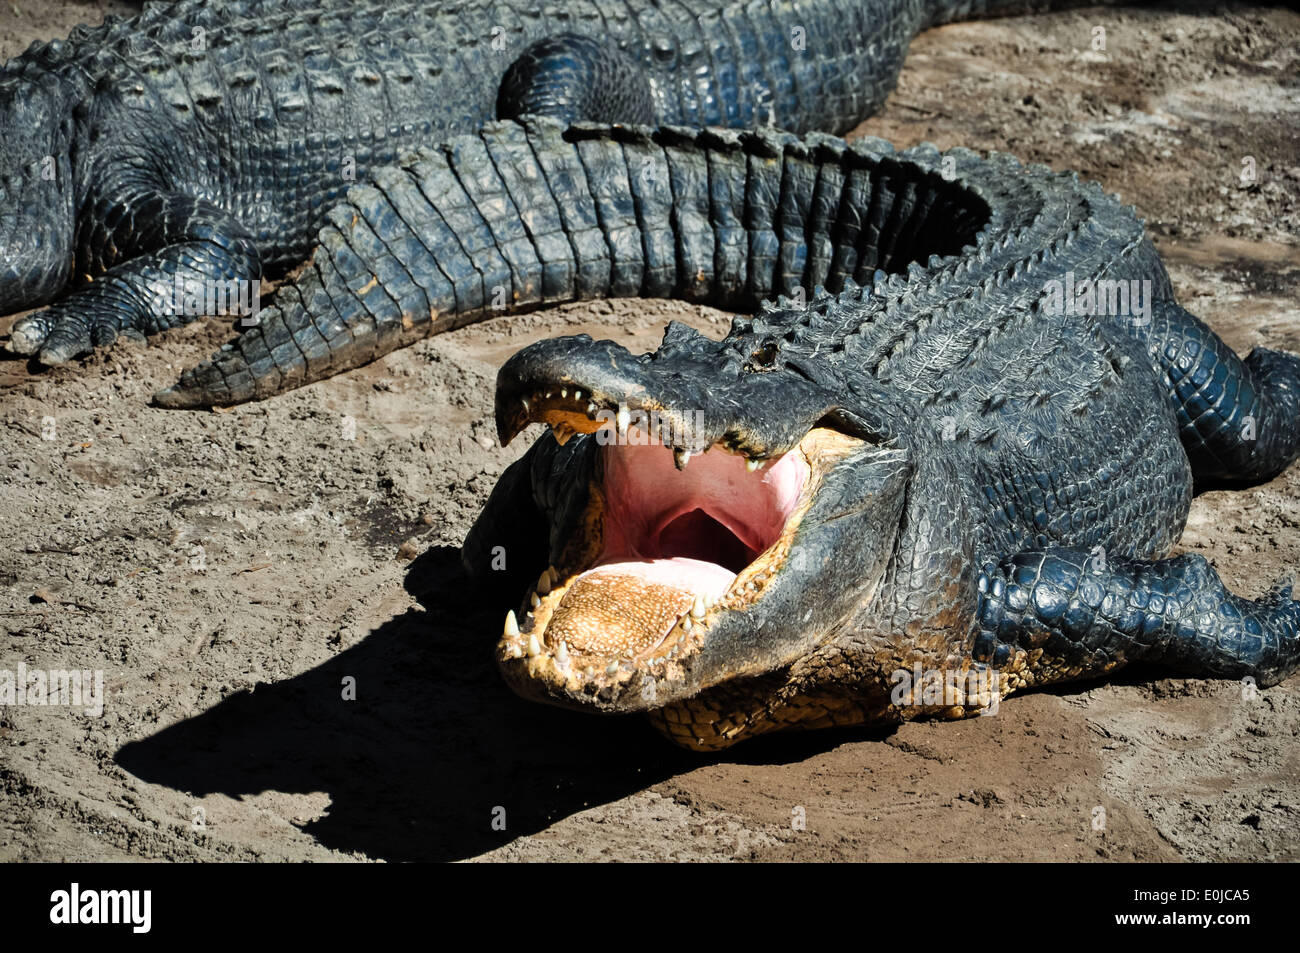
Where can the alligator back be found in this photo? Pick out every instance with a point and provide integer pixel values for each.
(271, 108)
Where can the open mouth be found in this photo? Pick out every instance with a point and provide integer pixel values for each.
(669, 544)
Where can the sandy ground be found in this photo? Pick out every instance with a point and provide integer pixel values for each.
(229, 572)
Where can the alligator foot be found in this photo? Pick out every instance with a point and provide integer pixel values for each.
(1236, 418)
(169, 259)
(1054, 614)
(570, 77)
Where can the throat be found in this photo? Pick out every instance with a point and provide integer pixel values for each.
(698, 536)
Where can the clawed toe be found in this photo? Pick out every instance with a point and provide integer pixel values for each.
(26, 338)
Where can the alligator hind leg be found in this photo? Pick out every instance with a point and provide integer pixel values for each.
(571, 77)
(1239, 420)
(167, 256)
(1052, 614)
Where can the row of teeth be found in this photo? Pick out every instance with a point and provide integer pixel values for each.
(539, 396)
(623, 420)
(517, 646)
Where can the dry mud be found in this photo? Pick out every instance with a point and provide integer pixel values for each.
(229, 571)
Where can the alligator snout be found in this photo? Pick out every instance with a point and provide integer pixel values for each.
(690, 395)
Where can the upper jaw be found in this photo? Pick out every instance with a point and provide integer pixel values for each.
(695, 400)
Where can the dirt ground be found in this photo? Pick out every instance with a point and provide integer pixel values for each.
(230, 571)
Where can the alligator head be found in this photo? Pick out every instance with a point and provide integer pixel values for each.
(711, 515)
(36, 187)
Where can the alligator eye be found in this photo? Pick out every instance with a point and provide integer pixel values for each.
(764, 355)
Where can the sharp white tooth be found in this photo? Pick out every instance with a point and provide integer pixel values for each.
(699, 608)
(534, 647)
(686, 624)
(612, 669)
(751, 464)
(681, 458)
(591, 409)
(544, 582)
(512, 625)
(589, 672)
(562, 652)
(577, 395)
(564, 392)
(532, 598)
(515, 650)
(548, 395)
(523, 402)
(623, 419)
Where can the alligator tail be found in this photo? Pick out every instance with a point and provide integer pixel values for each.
(523, 216)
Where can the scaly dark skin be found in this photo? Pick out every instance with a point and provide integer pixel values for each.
(203, 142)
(932, 473)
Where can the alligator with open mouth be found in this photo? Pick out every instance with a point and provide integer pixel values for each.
(955, 474)
(956, 477)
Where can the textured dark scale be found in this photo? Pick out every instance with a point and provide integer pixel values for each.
(207, 139)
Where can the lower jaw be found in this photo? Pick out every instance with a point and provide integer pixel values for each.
(720, 717)
(661, 674)
(542, 661)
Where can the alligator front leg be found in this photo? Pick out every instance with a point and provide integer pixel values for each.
(168, 258)
(1048, 615)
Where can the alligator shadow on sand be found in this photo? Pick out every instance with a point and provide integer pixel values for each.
(432, 744)
(435, 741)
